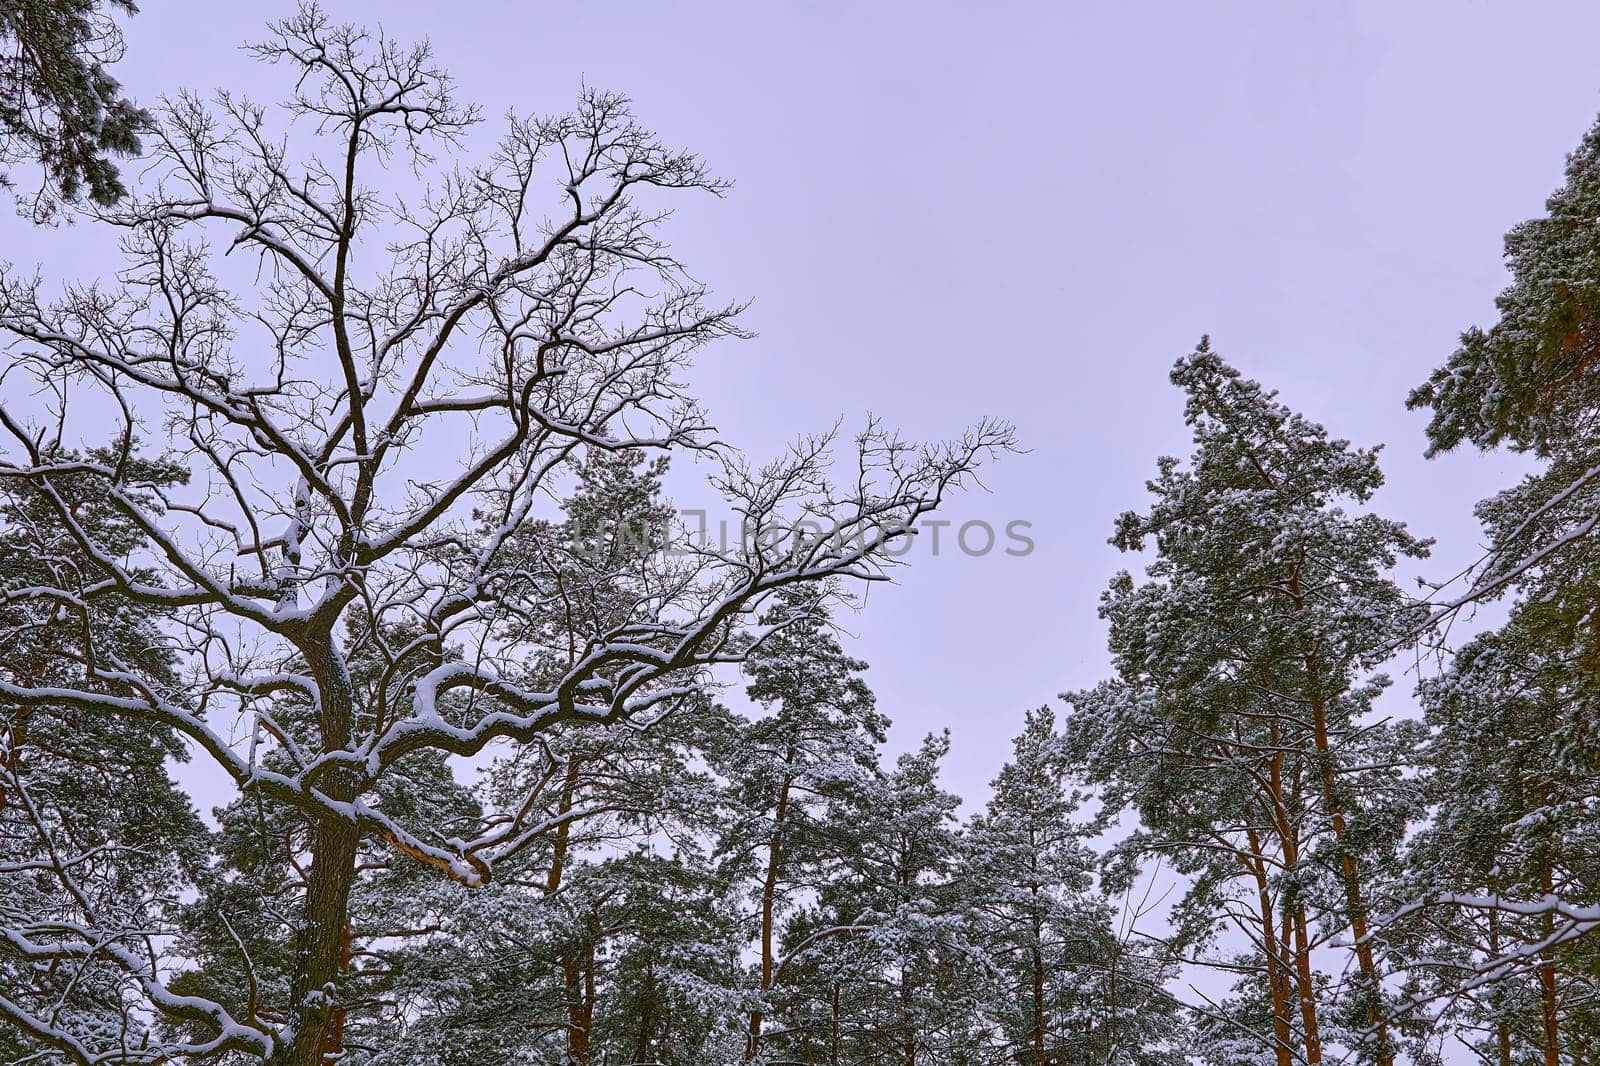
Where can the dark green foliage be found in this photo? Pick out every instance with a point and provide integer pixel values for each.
(1531, 379)
(59, 103)
(1513, 766)
(1240, 726)
(1064, 986)
(1510, 776)
(96, 839)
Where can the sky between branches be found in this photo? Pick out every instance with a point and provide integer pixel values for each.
(1030, 210)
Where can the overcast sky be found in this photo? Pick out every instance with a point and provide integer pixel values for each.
(1029, 211)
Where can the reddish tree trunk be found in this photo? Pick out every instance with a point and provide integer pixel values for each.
(1277, 981)
(769, 898)
(1549, 998)
(1349, 870)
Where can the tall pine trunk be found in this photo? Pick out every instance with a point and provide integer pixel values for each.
(1349, 869)
(1277, 980)
(769, 902)
(835, 1027)
(1502, 1028)
(1038, 1008)
(908, 1043)
(579, 1006)
(1294, 912)
(1305, 978)
(647, 1021)
(1038, 965)
(1549, 998)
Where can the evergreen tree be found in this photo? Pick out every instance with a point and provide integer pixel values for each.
(906, 969)
(97, 842)
(668, 993)
(59, 103)
(1218, 805)
(575, 961)
(1245, 662)
(792, 771)
(1065, 990)
(1527, 382)
(1514, 824)
(603, 799)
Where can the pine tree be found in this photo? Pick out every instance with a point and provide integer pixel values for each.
(791, 770)
(617, 811)
(575, 962)
(97, 842)
(1528, 382)
(577, 580)
(59, 103)
(669, 991)
(1065, 989)
(596, 792)
(1245, 662)
(1218, 805)
(908, 973)
(1509, 776)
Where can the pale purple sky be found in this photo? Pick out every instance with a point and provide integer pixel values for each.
(1028, 211)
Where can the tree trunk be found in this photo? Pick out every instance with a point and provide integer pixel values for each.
(1308, 987)
(834, 1035)
(579, 1016)
(579, 1009)
(1115, 1013)
(1294, 914)
(320, 942)
(909, 1043)
(1349, 870)
(1549, 1008)
(1038, 1008)
(647, 1021)
(340, 1013)
(1549, 999)
(1502, 1028)
(558, 857)
(769, 897)
(1037, 928)
(1351, 876)
(321, 946)
(1277, 980)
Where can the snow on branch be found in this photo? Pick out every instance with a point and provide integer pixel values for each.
(363, 423)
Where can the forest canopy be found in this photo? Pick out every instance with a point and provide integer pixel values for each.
(519, 770)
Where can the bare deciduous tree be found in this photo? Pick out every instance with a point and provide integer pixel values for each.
(371, 412)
